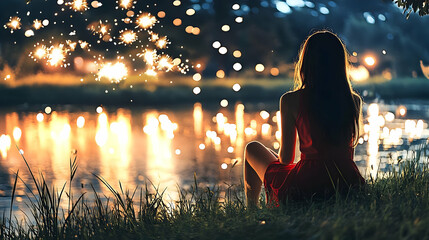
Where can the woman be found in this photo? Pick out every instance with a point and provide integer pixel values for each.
(325, 113)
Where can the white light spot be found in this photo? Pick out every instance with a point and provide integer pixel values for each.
(216, 44)
(236, 87)
(202, 146)
(324, 10)
(283, 7)
(197, 90)
(223, 50)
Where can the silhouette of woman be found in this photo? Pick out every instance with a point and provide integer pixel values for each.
(325, 112)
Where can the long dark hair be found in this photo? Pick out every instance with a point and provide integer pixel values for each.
(333, 106)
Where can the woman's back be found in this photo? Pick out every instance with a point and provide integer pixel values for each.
(324, 168)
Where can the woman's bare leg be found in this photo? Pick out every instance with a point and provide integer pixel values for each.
(256, 160)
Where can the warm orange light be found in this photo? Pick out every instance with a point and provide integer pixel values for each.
(161, 14)
(177, 22)
(220, 74)
(369, 61)
(274, 71)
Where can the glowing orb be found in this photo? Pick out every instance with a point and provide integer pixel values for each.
(236, 87)
(216, 44)
(202, 146)
(224, 103)
(264, 114)
(196, 90)
(40, 117)
(236, 54)
(224, 166)
(223, 50)
(99, 109)
(259, 67)
(80, 122)
(237, 66)
(359, 73)
(17, 133)
(369, 61)
(196, 77)
(220, 74)
(48, 110)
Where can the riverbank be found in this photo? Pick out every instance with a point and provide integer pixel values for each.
(171, 91)
(395, 206)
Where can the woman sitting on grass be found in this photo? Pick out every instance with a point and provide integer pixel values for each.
(325, 112)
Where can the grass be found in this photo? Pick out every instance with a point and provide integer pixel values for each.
(394, 206)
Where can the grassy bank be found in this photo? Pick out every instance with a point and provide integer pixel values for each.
(395, 206)
(162, 92)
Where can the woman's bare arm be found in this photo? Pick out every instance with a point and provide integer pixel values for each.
(288, 128)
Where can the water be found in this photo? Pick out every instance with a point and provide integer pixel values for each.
(167, 146)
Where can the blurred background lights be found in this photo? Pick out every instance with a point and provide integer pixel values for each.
(239, 19)
(369, 61)
(40, 117)
(225, 28)
(196, 90)
(48, 110)
(236, 54)
(216, 44)
(259, 67)
(197, 77)
(220, 74)
(223, 50)
(237, 66)
(236, 87)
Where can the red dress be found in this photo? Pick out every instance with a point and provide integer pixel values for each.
(322, 170)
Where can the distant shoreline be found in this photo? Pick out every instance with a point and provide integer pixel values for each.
(161, 94)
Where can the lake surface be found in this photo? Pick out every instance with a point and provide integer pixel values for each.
(167, 146)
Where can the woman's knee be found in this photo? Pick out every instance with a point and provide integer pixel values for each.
(253, 147)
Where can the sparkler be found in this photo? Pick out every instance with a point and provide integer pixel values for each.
(79, 5)
(54, 53)
(14, 23)
(37, 24)
(146, 21)
(128, 37)
(127, 4)
(56, 56)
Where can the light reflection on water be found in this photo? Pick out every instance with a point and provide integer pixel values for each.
(166, 147)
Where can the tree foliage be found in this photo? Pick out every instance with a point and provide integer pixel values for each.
(418, 6)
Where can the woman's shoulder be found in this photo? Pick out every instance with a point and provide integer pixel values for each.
(290, 100)
(291, 97)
